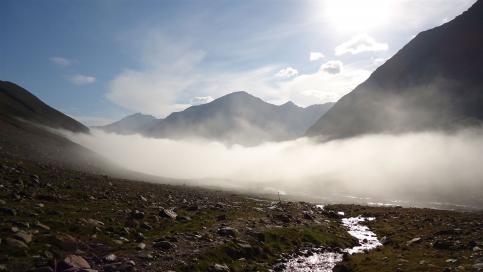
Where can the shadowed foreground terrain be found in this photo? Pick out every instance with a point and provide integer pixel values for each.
(54, 219)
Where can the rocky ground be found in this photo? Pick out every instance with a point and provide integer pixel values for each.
(54, 219)
(59, 220)
(419, 240)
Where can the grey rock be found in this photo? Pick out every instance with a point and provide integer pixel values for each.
(23, 236)
(141, 246)
(165, 213)
(227, 231)
(110, 258)
(221, 268)
(15, 243)
(164, 245)
(412, 241)
(73, 261)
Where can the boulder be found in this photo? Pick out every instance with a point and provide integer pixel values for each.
(73, 261)
(23, 236)
(227, 231)
(14, 243)
(165, 213)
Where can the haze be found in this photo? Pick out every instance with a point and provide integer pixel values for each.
(425, 166)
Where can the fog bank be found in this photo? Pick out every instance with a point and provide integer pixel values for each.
(429, 166)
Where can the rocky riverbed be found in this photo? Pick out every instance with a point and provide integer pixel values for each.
(55, 219)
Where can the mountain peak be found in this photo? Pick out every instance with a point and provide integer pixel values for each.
(238, 94)
(140, 115)
(289, 104)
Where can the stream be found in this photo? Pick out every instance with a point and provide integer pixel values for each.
(326, 260)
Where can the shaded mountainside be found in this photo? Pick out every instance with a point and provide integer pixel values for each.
(434, 82)
(234, 118)
(16, 102)
(22, 138)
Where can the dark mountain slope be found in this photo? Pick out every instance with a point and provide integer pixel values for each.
(434, 82)
(21, 137)
(16, 102)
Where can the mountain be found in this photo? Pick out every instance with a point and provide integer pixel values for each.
(434, 82)
(23, 118)
(234, 118)
(16, 102)
(130, 124)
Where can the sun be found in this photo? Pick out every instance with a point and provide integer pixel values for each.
(356, 15)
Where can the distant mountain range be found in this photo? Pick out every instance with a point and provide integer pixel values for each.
(434, 82)
(234, 118)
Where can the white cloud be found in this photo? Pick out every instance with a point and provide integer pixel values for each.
(60, 61)
(172, 71)
(81, 79)
(168, 69)
(198, 100)
(332, 67)
(360, 43)
(287, 72)
(321, 86)
(314, 56)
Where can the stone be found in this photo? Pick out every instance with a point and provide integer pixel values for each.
(385, 240)
(42, 226)
(73, 261)
(412, 241)
(146, 226)
(164, 245)
(110, 258)
(227, 231)
(165, 213)
(221, 268)
(478, 266)
(442, 244)
(23, 236)
(137, 214)
(65, 241)
(183, 218)
(141, 246)
(14, 243)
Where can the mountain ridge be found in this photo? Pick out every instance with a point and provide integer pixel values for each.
(433, 82)
(237, 117)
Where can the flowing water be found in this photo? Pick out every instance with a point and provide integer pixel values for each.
(326, 260)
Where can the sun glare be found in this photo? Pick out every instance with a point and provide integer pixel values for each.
(356, 15)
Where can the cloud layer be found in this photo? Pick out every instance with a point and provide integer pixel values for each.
(382, 166)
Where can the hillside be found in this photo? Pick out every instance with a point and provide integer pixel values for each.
(434, 82)
(16, 102)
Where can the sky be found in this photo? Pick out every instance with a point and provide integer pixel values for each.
(99, 61)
